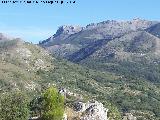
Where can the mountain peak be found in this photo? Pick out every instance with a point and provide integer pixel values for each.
(138, 19)
(68, 29)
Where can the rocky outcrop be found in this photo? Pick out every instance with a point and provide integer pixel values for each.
(91, 110)
(129, 116)
(62, 33)
(68, 30)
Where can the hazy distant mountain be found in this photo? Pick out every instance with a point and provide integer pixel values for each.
(69, 39)
(134, 46)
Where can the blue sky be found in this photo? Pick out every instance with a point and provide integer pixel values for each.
(34, 23)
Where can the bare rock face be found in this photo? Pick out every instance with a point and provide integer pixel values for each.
(68, 30)
(91, 110)
(65, 31)
(62, 33)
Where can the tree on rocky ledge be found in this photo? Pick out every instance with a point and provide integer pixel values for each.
(53, 105)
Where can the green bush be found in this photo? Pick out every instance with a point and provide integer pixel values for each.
(14, 106)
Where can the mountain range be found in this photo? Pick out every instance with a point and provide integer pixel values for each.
(70, 39)
(114, 62)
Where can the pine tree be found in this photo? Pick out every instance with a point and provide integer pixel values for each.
(53, 105)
